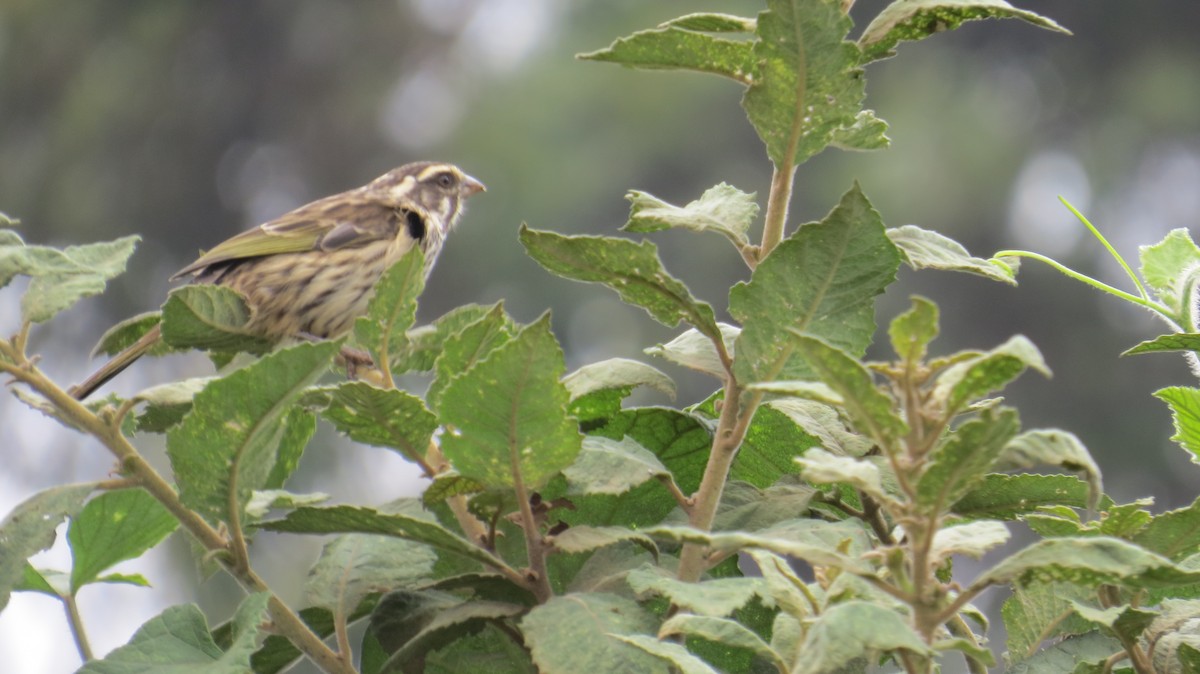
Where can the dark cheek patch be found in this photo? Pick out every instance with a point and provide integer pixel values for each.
(415, 224)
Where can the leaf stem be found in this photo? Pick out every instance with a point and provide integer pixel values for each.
(77, 631)
(286, 621)
(1111, 251)
(1083, 278)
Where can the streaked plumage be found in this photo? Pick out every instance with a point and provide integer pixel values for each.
(309, 273)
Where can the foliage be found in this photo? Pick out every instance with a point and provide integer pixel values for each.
(803, 518)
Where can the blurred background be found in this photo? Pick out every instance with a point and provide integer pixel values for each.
(188, 122)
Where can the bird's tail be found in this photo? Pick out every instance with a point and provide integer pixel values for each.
(117, 364)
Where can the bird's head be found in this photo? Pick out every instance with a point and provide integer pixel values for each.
(436, 190)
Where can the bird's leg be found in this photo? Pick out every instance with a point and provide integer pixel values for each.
(351, 359)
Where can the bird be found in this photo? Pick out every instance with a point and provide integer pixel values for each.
(308, 274)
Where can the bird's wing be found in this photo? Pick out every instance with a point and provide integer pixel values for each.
(316, 226)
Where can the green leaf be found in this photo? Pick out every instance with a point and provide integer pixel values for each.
(976, 377)
(870, 409)
(381, 417)
(616, 374)
(697, 351)
(167, 404)
(744, 507)
(60, 278)
(851, 630)
(507, 416)
(491, 650)
(807, 84)
(209, 317)
(722, 631)
(770, 447)
(1125, 620)
(607, 466)
(351, 519)
(466, 347)
(264, 501)
(1185, 414)
(823, 423)
(1007, 497)
(1088, 561)
(821, 282)
(178, 641)
(713, 22)
(960, 462)
(29, 528)
(912, 331)
(234, 433)
(34, 580)
(821, 467)
(868, 132)
(410, 637)
(10, 237)
(918, 19)
(814, 551)
(632, 269)
(446, 484)
(682, 47)
(1178, 341)
(425, 342)
(585, 539)
(972, 539)
(673, 653)
(723, 209)
(1174, 534)
(392, 309)
(1170, 266)
(716, 598)
(123, 335)
(1065, 655)
(1037, 611)
(572, 633)
(1054, 448)
(926, 249)
(353, 566)
(113, 527)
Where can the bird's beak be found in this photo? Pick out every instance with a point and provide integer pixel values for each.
(471, 186)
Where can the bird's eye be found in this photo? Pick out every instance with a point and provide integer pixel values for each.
(445, 180)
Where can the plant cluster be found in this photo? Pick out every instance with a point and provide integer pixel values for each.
(802, 519)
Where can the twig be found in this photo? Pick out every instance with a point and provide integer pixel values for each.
(77, 631)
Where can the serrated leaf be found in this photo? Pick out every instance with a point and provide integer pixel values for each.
(823, 423)
(1170, 267)
(723, 209)
(392, 309)
(918, 19)
(679, 47)
(632, 269)
(821, 281)
(868, 132)
(264, 501)
(712, 22)
(382, 417)
(1007, 497)
(167, 404)
(744, 507)
(1179, 341)
(607, 466)
(178, 641)
(507, 416)
(870, 409)
(573, 633)
(586, 539)
(807, 83)
(990, 371)
(1037, 611)
(1054, 448)
(1185, 415)
(812, 551)
(465, 348)
(1174, 534)
(61, 277)
(723, 631)
(784, 586)
(926, 249)
(1088, 561)
(237, 426)
(960, 462)
(437, 627)
(1125, 620)
(352, 566)
(29, 528)
(124, 334)
(851, 630)
(616, 373)
(972, 539)
(351, 519)
(912, 331)
(448, 484)
(425, 342)
(1067, 654)
(491, 650)
(113, 527)
(672, 652)
(718, 597)
(209, 317)
(696, 351)
(821, 467)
